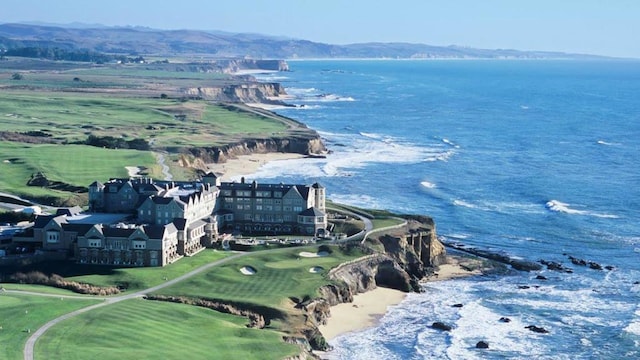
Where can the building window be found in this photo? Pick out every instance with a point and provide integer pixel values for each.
(259, 207)
(297, 208)
(53, 237)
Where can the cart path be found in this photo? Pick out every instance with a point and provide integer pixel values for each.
(31, 342)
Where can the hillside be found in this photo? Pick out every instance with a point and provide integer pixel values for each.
(139, 40)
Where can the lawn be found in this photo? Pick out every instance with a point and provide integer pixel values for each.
(71, 164)
(142, 278)
(133, 279)
(280, 275)
(141, 329)
(386, 222)
(20, 314)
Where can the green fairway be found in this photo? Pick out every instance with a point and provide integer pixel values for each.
(22, 314)
(169, 122)
(140, 329)
(142, 278)
(75, 165)
(279, 276)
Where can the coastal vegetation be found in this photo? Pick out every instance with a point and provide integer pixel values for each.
(111, 116)
(65, 126)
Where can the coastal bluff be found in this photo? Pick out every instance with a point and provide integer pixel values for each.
(410, 254)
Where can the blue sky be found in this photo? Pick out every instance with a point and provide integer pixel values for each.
(604, 27)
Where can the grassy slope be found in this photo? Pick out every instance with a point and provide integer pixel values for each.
(21, 312)
(280, 276)
(72, 164)
(139, 329)
(143, 278)
(121, 102)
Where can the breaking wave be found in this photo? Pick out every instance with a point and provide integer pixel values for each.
(558, 206)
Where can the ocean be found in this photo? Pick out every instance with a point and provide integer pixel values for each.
(537, 159)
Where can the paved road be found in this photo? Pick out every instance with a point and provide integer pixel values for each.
(31, 342)
(160, 156)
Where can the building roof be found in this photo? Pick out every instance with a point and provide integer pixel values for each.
(312, 211)
(70, 211)
(118, 232)
(180, 223)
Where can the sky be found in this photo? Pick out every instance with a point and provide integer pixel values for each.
(600, 27)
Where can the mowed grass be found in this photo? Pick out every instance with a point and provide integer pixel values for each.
(280, 275)
(72, 117)
(21, 313)
(142, 278)
(72, 164)
(141, 329)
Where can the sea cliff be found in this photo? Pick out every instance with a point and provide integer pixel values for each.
(410, 254)
(250, 92)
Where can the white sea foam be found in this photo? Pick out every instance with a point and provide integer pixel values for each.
(371, 135)
(558, 206)
(608, 143)
(450, 143)
(634, 325)
(428, 185)
(458, 202)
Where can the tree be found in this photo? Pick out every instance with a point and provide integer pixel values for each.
(17, 76)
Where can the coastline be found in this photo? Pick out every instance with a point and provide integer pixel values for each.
(247, 164)
(367, 308)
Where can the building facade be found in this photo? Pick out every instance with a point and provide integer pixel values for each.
(162, 221)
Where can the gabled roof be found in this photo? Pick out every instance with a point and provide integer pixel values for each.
(81, 229)
(303, 190)
(161, 200)
(117, 232)
(180, 223)
(71, 211)
(312, 211)
(42, 221)
(157, 232)
(96, 184)
(196, 224)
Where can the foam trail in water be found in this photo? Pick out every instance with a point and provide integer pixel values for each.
(428, 185)
(558, 206)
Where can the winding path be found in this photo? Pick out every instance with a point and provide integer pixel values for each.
(31, 342)
(165, 168)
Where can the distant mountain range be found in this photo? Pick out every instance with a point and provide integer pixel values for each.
(146, 41)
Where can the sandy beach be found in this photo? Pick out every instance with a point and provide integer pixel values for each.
(247, 164)
(368, 307)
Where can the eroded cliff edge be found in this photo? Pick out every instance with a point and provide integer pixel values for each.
(410, 254)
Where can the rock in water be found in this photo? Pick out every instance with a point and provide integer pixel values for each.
(441, 326)
(482, 345)
(537, 329)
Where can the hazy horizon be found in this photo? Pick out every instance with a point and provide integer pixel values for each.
(582, 27)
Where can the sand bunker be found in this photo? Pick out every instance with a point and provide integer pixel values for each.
(133, 171)
(248, 270)
(316, 269)
(310, 254)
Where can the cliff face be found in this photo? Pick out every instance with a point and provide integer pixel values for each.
(301, 144)
(407, 259)
(239, 93)
(418, 249)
